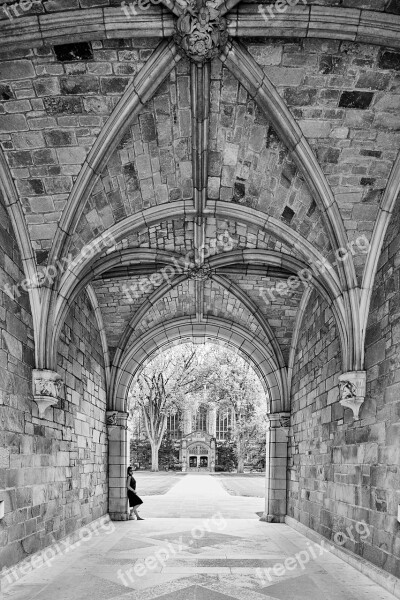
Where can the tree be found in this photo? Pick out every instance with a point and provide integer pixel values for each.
(161, 388)
(189, 376)
(167, 452)
(236, 387)
(226, 454)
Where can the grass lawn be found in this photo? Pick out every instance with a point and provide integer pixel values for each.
(155, 484)
(236, 484)
(243, 484)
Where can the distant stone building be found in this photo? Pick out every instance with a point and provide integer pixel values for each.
(195, 435)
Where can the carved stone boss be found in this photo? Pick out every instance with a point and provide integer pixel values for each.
(46, 386)
(352, 390)
(201, 32)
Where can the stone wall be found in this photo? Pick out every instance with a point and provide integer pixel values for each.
(343, 472)
(52, 470)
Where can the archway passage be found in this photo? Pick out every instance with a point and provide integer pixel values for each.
(197, 433)
(240, 189)
(199, 408)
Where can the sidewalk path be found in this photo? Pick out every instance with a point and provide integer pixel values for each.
(199, 496)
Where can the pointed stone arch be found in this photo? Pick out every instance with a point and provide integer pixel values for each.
(82, 271)
(257, 353)
(386, 208)
(100, 324)
(14, 209)
(160, 63)
(243, 66)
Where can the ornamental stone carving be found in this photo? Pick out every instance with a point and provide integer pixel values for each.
(116, 419)
(46, 387)
(201, 32)
(200, 273)
(352, 390)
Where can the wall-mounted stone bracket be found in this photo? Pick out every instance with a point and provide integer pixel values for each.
(352, 390)
(46, 387)
(116, 420)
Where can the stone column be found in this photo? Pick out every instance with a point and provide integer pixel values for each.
(46, 388)
(276, 467)
(117, 464)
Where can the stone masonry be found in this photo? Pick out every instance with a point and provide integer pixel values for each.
(52, 471)
(342, 471)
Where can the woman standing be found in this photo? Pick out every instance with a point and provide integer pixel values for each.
(134, 500)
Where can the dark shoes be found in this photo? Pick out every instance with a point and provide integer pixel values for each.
(140, 519)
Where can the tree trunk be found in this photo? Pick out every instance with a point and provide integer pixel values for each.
(240, 457)
(240, 467)
(154, 456)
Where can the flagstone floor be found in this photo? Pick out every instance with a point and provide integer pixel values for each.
(212, 556)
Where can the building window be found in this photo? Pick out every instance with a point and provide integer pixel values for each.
(201, 419)
(173, 426)
(224, 424)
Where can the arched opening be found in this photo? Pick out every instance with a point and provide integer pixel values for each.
(199, 408)
(202, 407)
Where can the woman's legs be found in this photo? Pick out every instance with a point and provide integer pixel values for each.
(136, 512)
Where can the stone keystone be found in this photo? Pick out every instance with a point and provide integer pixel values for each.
(201, 32)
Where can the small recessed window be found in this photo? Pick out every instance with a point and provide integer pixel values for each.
(287, 214)
(74, 52)
(312, 208)
(360, 100)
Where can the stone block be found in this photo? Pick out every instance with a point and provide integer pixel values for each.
(30, 187)
(316, 129)
(82, 84)
(300, 96)
(43, 232)
(59, 138)
(389, 59)
(266, 55)
(42, 205)
(20, 159)
(29, 140)
(9, 123)
(48, 86)
(16, 69)
(71, 155)
(12, 345)
(47, 156)
(373, 81)
(114, 85)
(56, 105)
